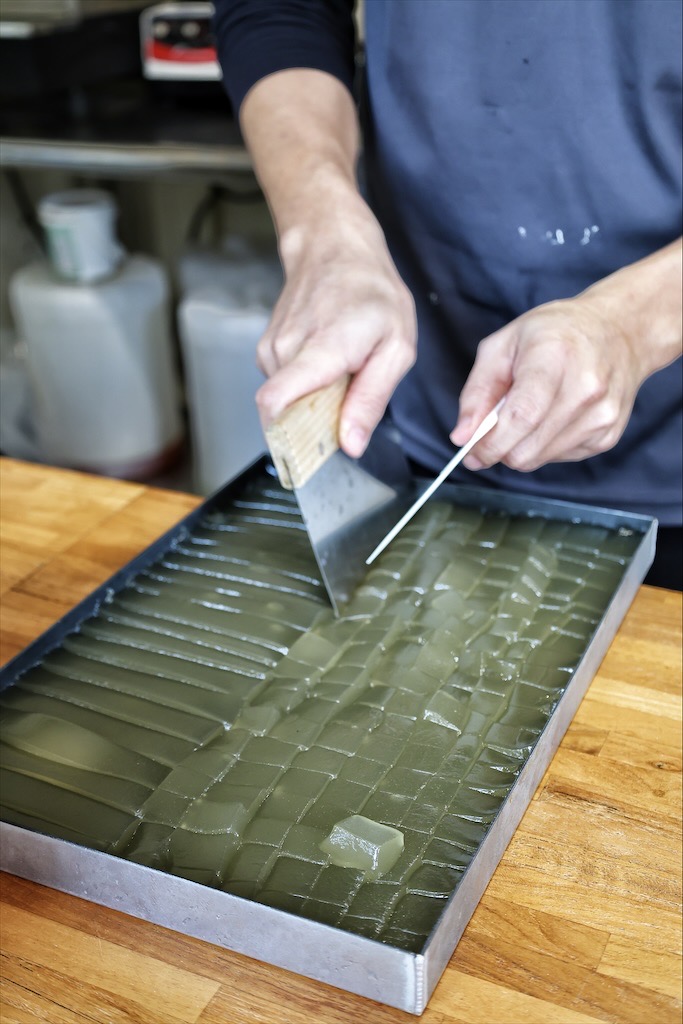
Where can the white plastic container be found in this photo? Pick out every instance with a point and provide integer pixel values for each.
(245, 269)
(220, 323)
(101, 367)
(219, 353)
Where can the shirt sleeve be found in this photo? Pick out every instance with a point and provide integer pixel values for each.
(255, 38)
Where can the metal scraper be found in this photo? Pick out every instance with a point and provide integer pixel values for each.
(347, 504)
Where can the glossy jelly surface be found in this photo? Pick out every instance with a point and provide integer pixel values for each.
(215, 721)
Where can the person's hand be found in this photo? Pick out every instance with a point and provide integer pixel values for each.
(570, 370)
(343, 309)
(570, 385)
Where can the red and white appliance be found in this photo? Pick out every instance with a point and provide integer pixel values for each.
(177, 44)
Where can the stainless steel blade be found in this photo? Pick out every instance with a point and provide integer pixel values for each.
(348, 505)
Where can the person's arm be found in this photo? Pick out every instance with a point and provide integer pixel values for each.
(343, 308)
(288, 69)
(571, 369)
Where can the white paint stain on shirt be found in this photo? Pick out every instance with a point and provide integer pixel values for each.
(558, 237)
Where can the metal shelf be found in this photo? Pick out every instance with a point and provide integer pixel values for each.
(130, 131)
(123, 158)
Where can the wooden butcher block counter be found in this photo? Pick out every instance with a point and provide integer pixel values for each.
(580, 923)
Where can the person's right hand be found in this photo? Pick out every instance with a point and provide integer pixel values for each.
(343, 309)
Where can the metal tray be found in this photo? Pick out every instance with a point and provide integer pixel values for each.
(352, 962)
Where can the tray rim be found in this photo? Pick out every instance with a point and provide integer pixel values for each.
(358, 964)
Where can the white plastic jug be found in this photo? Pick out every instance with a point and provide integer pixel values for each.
(228, 298)
(101, 367)
(219, 353)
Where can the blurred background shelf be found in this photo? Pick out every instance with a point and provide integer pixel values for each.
(122, 158)
(80, 109)
(127, 130)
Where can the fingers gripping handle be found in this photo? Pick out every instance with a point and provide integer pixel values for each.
(306, 434)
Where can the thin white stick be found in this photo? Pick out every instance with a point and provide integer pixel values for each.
(488, 423)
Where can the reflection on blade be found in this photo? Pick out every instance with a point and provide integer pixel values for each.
(349, 504)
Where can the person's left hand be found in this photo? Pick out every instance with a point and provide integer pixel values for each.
(570, 370)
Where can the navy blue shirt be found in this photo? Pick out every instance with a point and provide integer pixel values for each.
(515, 153)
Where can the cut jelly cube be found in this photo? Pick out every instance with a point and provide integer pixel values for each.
(363, 844)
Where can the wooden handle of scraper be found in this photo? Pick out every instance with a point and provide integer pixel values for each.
(306, 434)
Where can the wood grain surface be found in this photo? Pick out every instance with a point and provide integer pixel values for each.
(580, 923)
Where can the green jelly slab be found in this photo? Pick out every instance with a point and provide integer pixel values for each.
(215, 720)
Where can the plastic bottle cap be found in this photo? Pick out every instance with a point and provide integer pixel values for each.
(79, 228)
